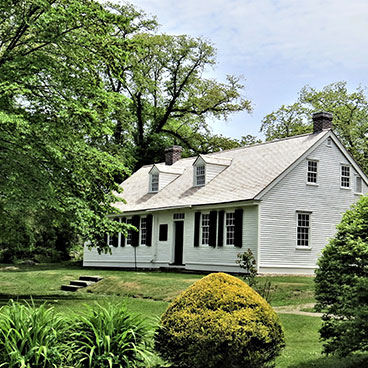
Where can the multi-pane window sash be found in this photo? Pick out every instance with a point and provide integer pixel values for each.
(230, 228)
(303, 230)
(143, 230)
(129, 234)
(200, 175)
(345, 176)
(312, 172)
(205, 229)
(179, 216)
(358, 184)
(154, 182)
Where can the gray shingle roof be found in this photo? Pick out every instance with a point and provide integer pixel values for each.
(252, 169)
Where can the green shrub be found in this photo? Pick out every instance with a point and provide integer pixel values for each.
(30, 337)
(219, 322)
(342, 284)
(247, 262)
(109, 336)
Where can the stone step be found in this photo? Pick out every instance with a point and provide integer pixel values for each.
(82, 283)
(71, 287)
(91, 278)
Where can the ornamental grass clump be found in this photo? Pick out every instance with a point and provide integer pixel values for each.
(30, 337)
(219, 322)
(110, 336)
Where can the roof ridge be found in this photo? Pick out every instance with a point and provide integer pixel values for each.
(244, 147)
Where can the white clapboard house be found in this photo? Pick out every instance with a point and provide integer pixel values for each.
(282, 199)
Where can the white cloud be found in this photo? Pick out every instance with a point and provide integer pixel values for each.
(315, 32)
(279, 45)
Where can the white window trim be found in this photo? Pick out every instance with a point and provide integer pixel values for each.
(306, 178)
(225, 230)
(341, 176)
(151, 182)
(196, 176)
(129, 221)
(141, 232)
(303, 247)
(356, 176)
(201, 230)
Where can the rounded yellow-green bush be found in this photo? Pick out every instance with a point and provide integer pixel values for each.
(219, 321)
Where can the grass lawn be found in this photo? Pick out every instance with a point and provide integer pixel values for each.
(149, 293)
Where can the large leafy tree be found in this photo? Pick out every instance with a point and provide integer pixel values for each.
(342, 284)
(86, 90)
(350, 117)
(55, 113)
(170, 99)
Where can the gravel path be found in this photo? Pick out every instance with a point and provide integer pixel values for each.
(296, 309)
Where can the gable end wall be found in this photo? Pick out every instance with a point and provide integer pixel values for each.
(326, 202)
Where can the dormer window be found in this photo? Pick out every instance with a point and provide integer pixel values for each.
(206, 168)
(154, 183)
(162, 175)
(200, 175)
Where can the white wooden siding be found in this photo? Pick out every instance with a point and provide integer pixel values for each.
(326, 201)
(121, 256)
(161, 253)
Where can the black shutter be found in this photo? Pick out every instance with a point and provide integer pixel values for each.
(197, 225)
(213, 229)
(135, 234)
(220, 239)
(238, 228)
(122, 239)
(106, 239)
(115, 237)
(149, 230)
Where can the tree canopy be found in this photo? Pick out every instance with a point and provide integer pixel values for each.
(350, 117)
(89, 91)
(170, 100)
(54, 109)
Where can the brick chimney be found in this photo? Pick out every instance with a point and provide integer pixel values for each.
(172, 154)
(321, 121)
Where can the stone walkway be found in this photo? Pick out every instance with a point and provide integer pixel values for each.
(296, 309)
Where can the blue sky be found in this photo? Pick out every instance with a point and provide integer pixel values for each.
(278, 46)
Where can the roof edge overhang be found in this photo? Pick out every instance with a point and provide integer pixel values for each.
(237, 203)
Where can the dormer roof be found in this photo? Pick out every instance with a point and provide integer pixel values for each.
(213, 160)
(162, 168)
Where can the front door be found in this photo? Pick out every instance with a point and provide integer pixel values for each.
(179, 242)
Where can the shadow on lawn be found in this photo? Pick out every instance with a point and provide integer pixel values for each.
(70, 265)
(355, 361)
(37, 300)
